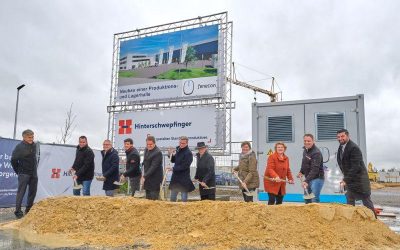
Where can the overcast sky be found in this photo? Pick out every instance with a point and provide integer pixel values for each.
(62, 51)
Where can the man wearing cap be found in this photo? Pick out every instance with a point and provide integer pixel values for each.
(180, 180)
(205, 172)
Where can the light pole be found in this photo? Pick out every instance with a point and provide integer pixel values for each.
(16, 109)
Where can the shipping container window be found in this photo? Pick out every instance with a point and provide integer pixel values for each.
(280, 128)
(328, 124)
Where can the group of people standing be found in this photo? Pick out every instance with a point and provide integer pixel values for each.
(150, 176)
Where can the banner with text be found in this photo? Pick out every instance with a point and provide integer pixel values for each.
(197, 123)
(182, 64)
(186, 88)
(53, 175)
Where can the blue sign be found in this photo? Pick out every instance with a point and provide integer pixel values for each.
(8, 178)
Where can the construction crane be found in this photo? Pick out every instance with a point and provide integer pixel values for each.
(271, 94)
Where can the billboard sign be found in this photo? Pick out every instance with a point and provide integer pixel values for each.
(197, 123)
(175, 65)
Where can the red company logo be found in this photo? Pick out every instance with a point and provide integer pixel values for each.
(55, 173)
(125, 127)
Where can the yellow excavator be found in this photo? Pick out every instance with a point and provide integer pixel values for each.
(372, 173)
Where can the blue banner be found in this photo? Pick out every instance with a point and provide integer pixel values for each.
(8, 178)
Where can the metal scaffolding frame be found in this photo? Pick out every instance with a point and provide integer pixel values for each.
(221, 102)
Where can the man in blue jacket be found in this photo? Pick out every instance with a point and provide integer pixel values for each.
(110, 167)
(24, 162)
(180, 180)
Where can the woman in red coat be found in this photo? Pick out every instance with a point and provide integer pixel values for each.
(276, 173)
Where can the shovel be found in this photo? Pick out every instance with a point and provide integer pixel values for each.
(307, 195)
(140, 193)
(77, 186)
(206, 187)
(274, 180)
(162, 188)
(248, 193)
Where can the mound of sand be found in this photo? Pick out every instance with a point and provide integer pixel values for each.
(375, 186)
(132, 223)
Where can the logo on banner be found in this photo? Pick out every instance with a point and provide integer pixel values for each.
(55, 173)
(125, 127)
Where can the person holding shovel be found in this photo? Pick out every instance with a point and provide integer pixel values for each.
(277, 174)
(180, 180)
(205, 172)
(83, 167)
(247, 172)
(133, 170)
(110, 167)
(312, 169)
(152, 169)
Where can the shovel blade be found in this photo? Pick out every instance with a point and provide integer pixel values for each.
(139, 194)
(250, 193)
(308, 196)
(118, 183)
(77, 187)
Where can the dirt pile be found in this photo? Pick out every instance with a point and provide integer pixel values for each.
(375, 185)
(132, 223)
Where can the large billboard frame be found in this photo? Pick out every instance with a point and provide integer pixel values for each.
(221, 101)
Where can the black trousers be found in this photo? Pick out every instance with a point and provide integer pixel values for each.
(208, 197)
(351, 198)
(246, 197)
(274, 199)
(26, 181)
(153, 195)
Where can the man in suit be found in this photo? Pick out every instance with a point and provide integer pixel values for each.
(153, 170)
(355, 175)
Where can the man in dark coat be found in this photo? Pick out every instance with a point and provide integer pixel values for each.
(24, 162)
(205, 172)
(355, 175)
(83, 167)
(312, 168)
(152, 168)
(110, 168)
(133, 170)
(180, 180)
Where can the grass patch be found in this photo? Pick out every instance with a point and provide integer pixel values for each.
(177, 74)
(127, 74)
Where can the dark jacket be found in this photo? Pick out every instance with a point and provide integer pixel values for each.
(312, 164)
(205, 172)
(132, 163)
(84, 163)
(24, 159)
(152, 168)
(180, 180)
(354, 170)
(110, 168)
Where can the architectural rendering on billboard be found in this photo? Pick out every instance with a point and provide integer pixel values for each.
(197, 123)
(177, 65)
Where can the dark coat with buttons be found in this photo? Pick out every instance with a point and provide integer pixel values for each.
(354, 171)
(152, 169)
(110, 168)
(180, 180)
(205, 172)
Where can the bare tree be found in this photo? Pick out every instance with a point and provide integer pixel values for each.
(68, 128)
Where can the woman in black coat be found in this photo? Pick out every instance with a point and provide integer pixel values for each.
(205, 172)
